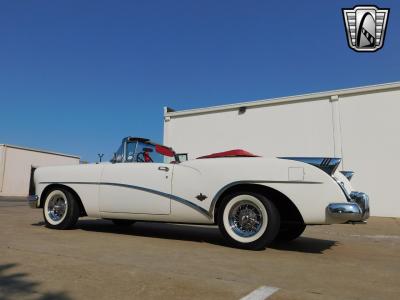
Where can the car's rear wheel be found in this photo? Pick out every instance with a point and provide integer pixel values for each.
(290, 232)
(248, 220)
(60, 209)
(122, 223)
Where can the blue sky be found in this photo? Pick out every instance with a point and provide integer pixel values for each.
(77, 76)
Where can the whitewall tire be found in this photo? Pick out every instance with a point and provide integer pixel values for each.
(60, 209)
(248, 220)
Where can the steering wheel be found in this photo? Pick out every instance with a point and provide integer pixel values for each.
(142, 158)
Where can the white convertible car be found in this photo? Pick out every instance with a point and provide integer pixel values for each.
(254, 200)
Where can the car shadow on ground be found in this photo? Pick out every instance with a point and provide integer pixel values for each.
(195, 233)
(16, 285)
(170, 231)
(306, 245)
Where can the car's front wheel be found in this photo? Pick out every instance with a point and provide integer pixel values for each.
(60, 209)
(248, 220)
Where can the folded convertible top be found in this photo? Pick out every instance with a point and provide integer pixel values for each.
(230, 153)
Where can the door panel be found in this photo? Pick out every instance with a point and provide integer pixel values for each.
(137, 188)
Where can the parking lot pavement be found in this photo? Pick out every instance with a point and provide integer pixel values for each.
(153, 261)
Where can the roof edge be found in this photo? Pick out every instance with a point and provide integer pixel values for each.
(40, 151)
(284, 100)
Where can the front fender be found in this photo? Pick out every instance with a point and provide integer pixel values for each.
(72, 177)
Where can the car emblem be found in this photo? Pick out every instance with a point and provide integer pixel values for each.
(201, 197)
(365, 27)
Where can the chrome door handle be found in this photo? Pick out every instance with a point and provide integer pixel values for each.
(166, 169)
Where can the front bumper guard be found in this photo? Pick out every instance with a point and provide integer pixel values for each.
(357, 210)
(33, 201)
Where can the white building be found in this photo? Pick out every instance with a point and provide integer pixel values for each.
(17, 164)
(361, 125)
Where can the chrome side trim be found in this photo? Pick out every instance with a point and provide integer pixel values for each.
(210, 213)
(147, 190)
(33, 201)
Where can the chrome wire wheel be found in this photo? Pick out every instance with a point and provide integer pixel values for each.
(56, 207)
(245, 218)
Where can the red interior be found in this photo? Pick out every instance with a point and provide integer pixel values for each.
(146, 156)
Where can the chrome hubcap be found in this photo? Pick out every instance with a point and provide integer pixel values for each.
(245, 218)
(57, 207)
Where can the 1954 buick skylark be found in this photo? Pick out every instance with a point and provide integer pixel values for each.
(254, 200)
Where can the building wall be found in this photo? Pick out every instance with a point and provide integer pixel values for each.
(15, 168)
(279, 130)
(362, 128)
(371, 146)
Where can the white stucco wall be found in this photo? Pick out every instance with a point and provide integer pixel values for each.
(15, 167)
(371, 146)
(359, 125)
(262, 130)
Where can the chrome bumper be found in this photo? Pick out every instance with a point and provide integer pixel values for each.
(33, 200)
(357, 210)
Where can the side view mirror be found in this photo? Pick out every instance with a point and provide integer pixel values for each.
(114, 159)
(182, 157)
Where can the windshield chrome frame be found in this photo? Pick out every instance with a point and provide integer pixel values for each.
(124, 144)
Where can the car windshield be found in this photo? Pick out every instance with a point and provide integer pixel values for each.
(138, 151)
(119, 155)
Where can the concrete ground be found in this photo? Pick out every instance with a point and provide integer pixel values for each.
(153, 261)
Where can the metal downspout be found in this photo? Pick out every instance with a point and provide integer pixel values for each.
(3, 167)
(337, 130)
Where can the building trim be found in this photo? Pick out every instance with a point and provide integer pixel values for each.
(170, 113)
(38, 150)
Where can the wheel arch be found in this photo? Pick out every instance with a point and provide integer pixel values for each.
(287, 209)
(54, 186)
